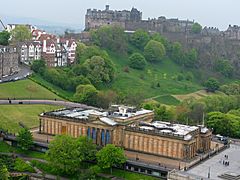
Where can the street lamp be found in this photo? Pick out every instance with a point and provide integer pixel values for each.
(209, 173)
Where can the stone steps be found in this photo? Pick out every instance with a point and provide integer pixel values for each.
(229, 177)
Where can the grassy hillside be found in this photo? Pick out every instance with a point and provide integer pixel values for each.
(11, 115)
(25, 89)
(57, 90)
(157, 81)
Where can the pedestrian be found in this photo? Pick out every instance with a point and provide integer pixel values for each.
(223, 162)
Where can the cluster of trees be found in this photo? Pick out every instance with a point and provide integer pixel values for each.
(110, 37)
(69, 155)
(19, 34)
(227, 124)
(186, 58)
(224, 67)
(93, 69)
(231, 89)
(161, 112)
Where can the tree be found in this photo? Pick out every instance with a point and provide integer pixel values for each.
(38, 66)
(105, 98)
(25, 139)
(4, 38)
(21, 33)
(196, 28)
(231, 89)
(177, 53)
(197, 111)
(225, 124)
(86, 94)
(162, 114)
(224, 67)
(191, 58)
(163, 40)
(99, 70)
(89, 52)
(81, 47)
(137, 61)
(154, 51)
(110, 37)
(140, 38)
(64, 155)
(86, 148)
(4, 174)
(110, 156)
(212, 85)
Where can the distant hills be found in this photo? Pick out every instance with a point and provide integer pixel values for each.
(50, 27)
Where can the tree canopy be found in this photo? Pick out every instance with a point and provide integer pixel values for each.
(137, 61)
(99, 70)
(110, 156)
(110, 37)
(63, 154)
(224, 67)
(212, 85)
(140, 38)
(86, 94)
(38, 66)
(154, 51)
(25, 139)
(21, 33)
(196, 28)
(66, 153)
(4, 38)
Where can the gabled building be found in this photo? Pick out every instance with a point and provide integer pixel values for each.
(30, 51)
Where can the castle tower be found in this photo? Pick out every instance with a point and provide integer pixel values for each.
(107, 8)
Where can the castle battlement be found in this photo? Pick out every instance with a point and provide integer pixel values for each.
(132, 20)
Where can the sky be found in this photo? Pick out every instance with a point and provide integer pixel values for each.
(213, 13)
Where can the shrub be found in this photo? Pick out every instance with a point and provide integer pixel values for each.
(22, 166)
(137, 61)
(154, 51)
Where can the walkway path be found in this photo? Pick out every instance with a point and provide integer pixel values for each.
(49, 102)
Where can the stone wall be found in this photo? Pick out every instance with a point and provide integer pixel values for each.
(8, 60)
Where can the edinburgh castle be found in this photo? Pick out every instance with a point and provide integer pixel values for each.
(211, 43)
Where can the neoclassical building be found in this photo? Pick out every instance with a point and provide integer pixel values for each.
(130, 128)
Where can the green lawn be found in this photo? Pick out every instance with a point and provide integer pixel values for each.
(25, 89)
(167, 99)
(4, 147)
(11, 115)
(131, 175)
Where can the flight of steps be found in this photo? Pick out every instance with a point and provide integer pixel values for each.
(229, 176)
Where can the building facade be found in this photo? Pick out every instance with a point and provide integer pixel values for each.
(30, 51)
(132, 20)
(129, 128)
(8, 60)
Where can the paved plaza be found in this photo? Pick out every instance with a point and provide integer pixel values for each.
(216, 166)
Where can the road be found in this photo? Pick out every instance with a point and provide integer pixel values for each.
(23, 72)
(49, 102)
